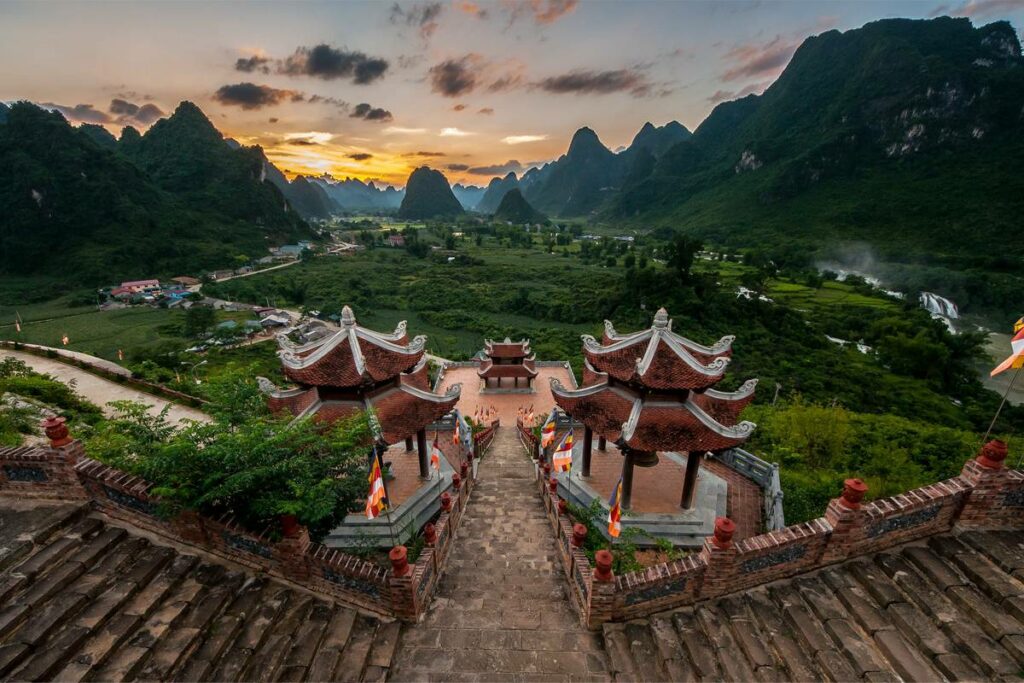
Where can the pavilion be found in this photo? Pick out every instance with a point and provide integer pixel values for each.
(651, 391)
(508, 359)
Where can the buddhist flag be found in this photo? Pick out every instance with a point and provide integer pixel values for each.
(615, 511)
(435, 455)
(120, 354)
(455, 434)
(17, 325)
(1016, 357)
(547, 432)
(562, 459)
(1017, 326)
(64, 340)
(376, 501)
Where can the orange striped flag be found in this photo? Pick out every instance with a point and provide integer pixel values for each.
(562, 459)
(376, 502)
(547, 432)
(615, 511)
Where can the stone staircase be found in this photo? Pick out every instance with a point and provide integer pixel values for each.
(84, 600)
(948, 609)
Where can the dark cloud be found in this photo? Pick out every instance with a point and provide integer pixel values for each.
(302, 142)
(252, 96)
(755, 60)
(598, 82)
(508, 81)
(82, 113)
(129, 112)
(458, 107)
(328, 63)
(752, 89)
(123, 107)
(320, 99)
(424, 154)
(273, 119)
(454, 77)
(424, 16)
(486, 111)
(254, 63)
(365, 111)
(498, 169)
(360, 156)
(148, 113)
(457, 167)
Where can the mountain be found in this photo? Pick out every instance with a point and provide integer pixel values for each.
(428, 195)
(515, 209)
(4, 109)
(904, 135)
(578, 182)
(100, 135)
(308, 198)
(657, 140)
(175, 200)
(495, 192)
(352, 194)
(468, 195)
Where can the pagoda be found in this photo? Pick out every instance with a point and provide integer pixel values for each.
(508, 359)
(652, 391)
(357, 369)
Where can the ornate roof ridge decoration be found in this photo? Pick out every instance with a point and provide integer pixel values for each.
(522, 345)
(745, 390)
(663, 324)
(716, 368)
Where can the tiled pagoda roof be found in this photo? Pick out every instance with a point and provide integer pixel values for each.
(507, 348)
(488, 370)
(351, 357)
(658, 357)
(658, 422)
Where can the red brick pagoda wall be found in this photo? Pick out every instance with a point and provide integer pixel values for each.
(984, 495)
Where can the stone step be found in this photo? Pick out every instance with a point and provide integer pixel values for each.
(89, 601)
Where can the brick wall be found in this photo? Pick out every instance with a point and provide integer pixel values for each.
(41, 472)
(984, 495)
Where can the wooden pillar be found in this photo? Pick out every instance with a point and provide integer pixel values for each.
(421, 444)
(601, 443)
(690, 479)
(627, 480)
(588, 442)
(408, 443)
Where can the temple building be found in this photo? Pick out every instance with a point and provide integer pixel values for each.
(355, 369)
(507, 359)
(652, 391)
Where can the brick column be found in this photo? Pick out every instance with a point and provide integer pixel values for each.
(602, 591)
(403, 593)
(63, 453)
(989, 483)
(845, 516)
(290, 551)
(719, 558)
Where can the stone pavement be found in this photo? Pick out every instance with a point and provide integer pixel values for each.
(501, 611)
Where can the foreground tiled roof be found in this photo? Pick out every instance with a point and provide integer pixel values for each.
(948, 609)
(81, 599)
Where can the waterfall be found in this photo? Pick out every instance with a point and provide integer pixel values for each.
(941, 308)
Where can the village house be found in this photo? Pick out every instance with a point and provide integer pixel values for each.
(139, 286)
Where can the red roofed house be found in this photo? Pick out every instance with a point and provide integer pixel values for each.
(138, 286)
(507, 359)
(652, 391)
(356, 369)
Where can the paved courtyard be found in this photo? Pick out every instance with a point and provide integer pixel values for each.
(506, 403)
(501, 611)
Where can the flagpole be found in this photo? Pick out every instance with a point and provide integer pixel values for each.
(1006, 393)
(384, 483)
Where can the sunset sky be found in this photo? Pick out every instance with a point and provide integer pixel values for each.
(375, 89)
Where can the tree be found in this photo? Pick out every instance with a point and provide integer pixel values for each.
(679, 255)
(198, 319)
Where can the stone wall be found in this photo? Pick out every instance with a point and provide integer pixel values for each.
(984, 495)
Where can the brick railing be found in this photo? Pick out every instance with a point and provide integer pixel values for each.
(62, 471)
(984, 495)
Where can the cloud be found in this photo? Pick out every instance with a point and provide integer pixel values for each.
(314, 136)
(255, 63)
(399, 130)
(328, 63)
(454, 133)
(975, 8)
(424, 16)
(597, 82)
(454, 77)
(368, 113)
(334, 101)
(252, 96)
(303, 143)
(424, 154)
(83, 113)
(486, 111)
(457, 167)
(471, 8)
(520, 139)
(752, 89)
(360, 156)
(458, 107)
(128, 112)
(541, 11)
(273, 119)
(510, 166)
(755, 60)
